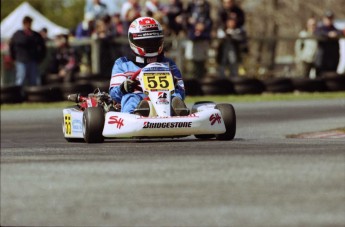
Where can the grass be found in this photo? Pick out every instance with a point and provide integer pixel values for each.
(266, 97)
(269, 97)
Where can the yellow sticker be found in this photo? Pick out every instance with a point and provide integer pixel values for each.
(158, 81)
(68, 125)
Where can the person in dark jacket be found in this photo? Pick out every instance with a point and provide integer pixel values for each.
(228, 9)
(64, 60)
(199, 27)
(27, 48)
(174, 15)
(328, 53)
(229, 50)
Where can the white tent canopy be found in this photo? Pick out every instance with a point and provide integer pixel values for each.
(13, 22)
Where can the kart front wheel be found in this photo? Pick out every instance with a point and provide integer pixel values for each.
(93, 123)
(229, 118)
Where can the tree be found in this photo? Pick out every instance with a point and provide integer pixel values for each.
(67, 13)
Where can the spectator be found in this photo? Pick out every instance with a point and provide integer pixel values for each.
(116, 49)
(97, 8)
(114, 6)
(64, 60)
(84, 30)
(104, 29)
(86, 27)
(117, 25)
(229, 50)
(327, 55)
(44, 33)
(156, 10)
(174, 16)
(130, 11)
(199, 26)
(105, 32)
(28, 49)
(153, 7)
(305, 48)
(229, 8)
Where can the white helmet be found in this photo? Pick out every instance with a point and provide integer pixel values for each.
(145, 36)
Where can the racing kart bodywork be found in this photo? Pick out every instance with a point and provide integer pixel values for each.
(97, 117)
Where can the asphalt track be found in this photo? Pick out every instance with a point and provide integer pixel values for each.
(261, 178)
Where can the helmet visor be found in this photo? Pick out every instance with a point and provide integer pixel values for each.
(149, 41)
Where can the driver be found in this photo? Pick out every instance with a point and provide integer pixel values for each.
(145, 36)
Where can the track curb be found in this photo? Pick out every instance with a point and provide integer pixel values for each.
(333, 134)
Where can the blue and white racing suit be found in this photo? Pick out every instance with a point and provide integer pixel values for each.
(124, 68)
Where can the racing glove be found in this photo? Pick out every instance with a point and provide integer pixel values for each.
(128, 86)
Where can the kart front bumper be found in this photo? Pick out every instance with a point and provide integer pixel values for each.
(128, 125)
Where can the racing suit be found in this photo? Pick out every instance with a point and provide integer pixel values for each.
(123, 69)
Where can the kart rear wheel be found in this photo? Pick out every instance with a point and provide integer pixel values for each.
(229, 118)
(93, 123)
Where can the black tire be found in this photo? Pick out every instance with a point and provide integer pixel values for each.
(217, 86)
(44, 93)
(279, 85)
(229, 117)
(243, 85)
(93, 123)
(192, 87)
(335, 83)
(11, 94)
(308, 85)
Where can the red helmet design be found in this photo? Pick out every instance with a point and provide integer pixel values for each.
(145, 36)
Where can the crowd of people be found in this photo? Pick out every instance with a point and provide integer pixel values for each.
(106, 20)
(317, 50)
(102, 22)
(192, 21)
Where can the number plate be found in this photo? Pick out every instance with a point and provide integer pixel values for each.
(158, 81)
(68, 125)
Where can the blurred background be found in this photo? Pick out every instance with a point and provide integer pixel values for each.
(268, 50)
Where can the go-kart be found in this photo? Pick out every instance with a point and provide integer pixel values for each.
(97, 116)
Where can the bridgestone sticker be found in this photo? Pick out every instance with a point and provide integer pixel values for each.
(148, 124)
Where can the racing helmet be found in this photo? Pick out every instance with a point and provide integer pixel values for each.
(145, 36)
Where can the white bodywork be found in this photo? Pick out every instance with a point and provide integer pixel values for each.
(129, 125)
(117, 124)
(157, 82)
(72, 123)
